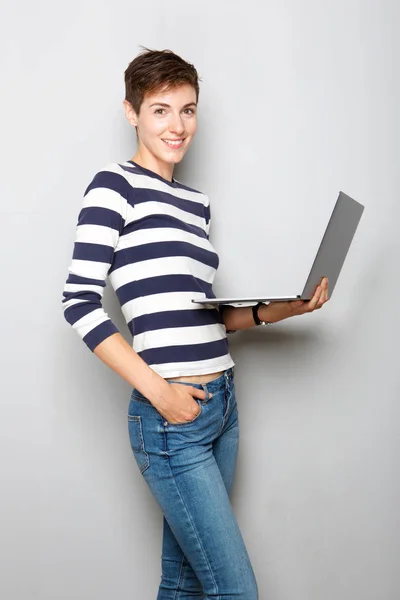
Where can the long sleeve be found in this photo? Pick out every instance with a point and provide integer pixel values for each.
(100, 223)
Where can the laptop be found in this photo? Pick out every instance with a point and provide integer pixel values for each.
(329, 259)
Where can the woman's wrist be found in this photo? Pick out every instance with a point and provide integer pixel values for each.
(265, 313)
(157, 389)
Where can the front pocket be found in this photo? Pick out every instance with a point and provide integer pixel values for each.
(137, 442)
(193, 420)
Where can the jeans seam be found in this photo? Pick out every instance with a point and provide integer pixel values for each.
(218, 597)
(227, 407)
(141, 449)
(180, 578)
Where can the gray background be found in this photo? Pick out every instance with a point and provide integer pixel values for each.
(298, 100)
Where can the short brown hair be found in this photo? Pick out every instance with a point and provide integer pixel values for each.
(154, 70)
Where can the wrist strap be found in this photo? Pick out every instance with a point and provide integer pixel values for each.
(255, 313)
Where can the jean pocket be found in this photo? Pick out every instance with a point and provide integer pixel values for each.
(200, 404)
(137, 442)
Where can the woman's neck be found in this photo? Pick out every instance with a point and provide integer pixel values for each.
(149, 161)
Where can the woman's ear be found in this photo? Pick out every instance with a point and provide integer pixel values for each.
(130, 113)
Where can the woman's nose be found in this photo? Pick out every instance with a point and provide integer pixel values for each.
(176, 125)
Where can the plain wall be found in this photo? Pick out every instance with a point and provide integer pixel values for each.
(298, 100)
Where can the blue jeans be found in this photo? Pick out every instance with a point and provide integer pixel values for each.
(189, 468)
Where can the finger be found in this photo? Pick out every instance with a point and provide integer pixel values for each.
(321, 300)
(326, 289)
(324, 296)
(200, 394)
(323, 283)
(326, 292)
(320, 288)
(314, 300)
(319, 297)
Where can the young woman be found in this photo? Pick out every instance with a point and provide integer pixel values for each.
(149, 234)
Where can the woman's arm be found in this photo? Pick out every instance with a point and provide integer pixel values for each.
(100, 222)
(174, 402)
(116, 353)
(237, 317)
(241, 317)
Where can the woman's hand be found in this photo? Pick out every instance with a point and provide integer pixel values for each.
(277, 311)
(179, 406)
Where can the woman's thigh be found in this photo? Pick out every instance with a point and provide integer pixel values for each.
(179, 463)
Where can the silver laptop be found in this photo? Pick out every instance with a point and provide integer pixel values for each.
(329, 260)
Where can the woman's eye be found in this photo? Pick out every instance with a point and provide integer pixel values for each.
(161, 111)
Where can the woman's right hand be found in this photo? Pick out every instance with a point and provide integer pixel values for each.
(178, 406)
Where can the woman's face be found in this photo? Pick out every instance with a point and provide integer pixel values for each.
(167, 123)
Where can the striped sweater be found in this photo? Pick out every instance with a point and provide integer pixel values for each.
(149, 236)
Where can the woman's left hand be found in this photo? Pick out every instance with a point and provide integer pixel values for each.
(277, 311)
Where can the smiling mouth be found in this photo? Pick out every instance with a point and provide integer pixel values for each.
(174, 143)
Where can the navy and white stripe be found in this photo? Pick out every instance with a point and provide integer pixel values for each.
(149, 236)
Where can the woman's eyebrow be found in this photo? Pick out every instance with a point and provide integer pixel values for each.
(168, 106)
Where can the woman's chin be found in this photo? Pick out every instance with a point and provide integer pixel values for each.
(174, 158)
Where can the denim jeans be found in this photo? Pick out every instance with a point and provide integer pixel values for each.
(189, 468)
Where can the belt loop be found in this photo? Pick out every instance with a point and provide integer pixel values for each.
(205, 388)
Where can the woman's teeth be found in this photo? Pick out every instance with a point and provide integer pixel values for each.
(174, 144)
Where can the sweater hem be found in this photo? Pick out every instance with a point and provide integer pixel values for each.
(181, 371)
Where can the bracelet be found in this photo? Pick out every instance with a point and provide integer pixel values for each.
(256, 318)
